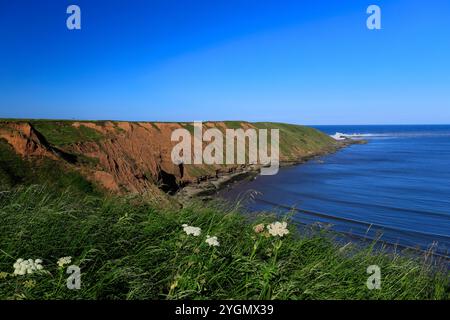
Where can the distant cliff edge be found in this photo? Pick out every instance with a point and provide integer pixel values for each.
(133, 157)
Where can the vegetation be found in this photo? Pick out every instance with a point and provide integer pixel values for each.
(15, 171)
(233, 124)
(130, 249)
(63, 132)
(294, 137)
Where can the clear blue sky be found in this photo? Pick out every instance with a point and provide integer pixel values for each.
(310, 62)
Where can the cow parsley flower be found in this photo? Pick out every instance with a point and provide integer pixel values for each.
(64, 260)
(195, 231)
(259, 228)
(212, 241)
(22, 267)
(278, 229)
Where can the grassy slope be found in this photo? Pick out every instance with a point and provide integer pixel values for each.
(15, 171)
(60, 133)
(294, 136)
(132, 250)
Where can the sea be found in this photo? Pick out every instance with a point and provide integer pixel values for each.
(395, 189)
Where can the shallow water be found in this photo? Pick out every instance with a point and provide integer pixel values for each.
(396, 186)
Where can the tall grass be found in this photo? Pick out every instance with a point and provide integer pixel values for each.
(129, 249)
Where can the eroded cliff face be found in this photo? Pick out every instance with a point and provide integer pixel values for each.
(25, 140)
(134, 156)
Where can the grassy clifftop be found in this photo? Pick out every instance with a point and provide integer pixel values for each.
(125, 157)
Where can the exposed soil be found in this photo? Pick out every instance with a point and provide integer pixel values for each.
(136, 156)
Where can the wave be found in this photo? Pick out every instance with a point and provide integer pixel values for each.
(332, 217)
(343, 136)
(417, 212)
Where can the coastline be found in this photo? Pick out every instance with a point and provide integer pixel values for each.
(206, 190)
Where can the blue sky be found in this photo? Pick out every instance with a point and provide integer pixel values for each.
(308, 62)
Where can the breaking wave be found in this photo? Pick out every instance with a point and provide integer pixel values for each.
(342, 136)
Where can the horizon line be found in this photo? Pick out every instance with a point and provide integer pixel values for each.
(188, 121)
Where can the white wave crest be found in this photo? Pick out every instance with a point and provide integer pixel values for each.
(343, 136)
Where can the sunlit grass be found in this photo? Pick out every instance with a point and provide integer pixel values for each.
(129, 249)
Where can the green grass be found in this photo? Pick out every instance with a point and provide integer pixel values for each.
(129, 249)
(188, 126)
(16, 171)
(60, 133)
(199, 171)
(13, 170)
(233, 124)
(299, 137)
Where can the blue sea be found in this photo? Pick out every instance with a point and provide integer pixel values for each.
(395, 188)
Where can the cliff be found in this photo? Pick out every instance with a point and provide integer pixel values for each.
(124, 157)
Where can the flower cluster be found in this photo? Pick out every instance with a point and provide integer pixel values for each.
(212, 241)
(22, 267)
(195, 231)
(278, 229)
(63, 261)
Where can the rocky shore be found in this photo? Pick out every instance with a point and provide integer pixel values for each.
(209, 187)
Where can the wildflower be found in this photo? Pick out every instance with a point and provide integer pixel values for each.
(63, 261)
(259, 228)
(192, 230)
(212, 241)
(3, 275)
(278, 229)
(22, 267)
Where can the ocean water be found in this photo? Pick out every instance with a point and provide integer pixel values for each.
(396, 187)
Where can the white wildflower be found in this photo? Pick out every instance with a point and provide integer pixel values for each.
(278, 229)
(212, 241)
(22, 267)
(195, 231)
(63, 261)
